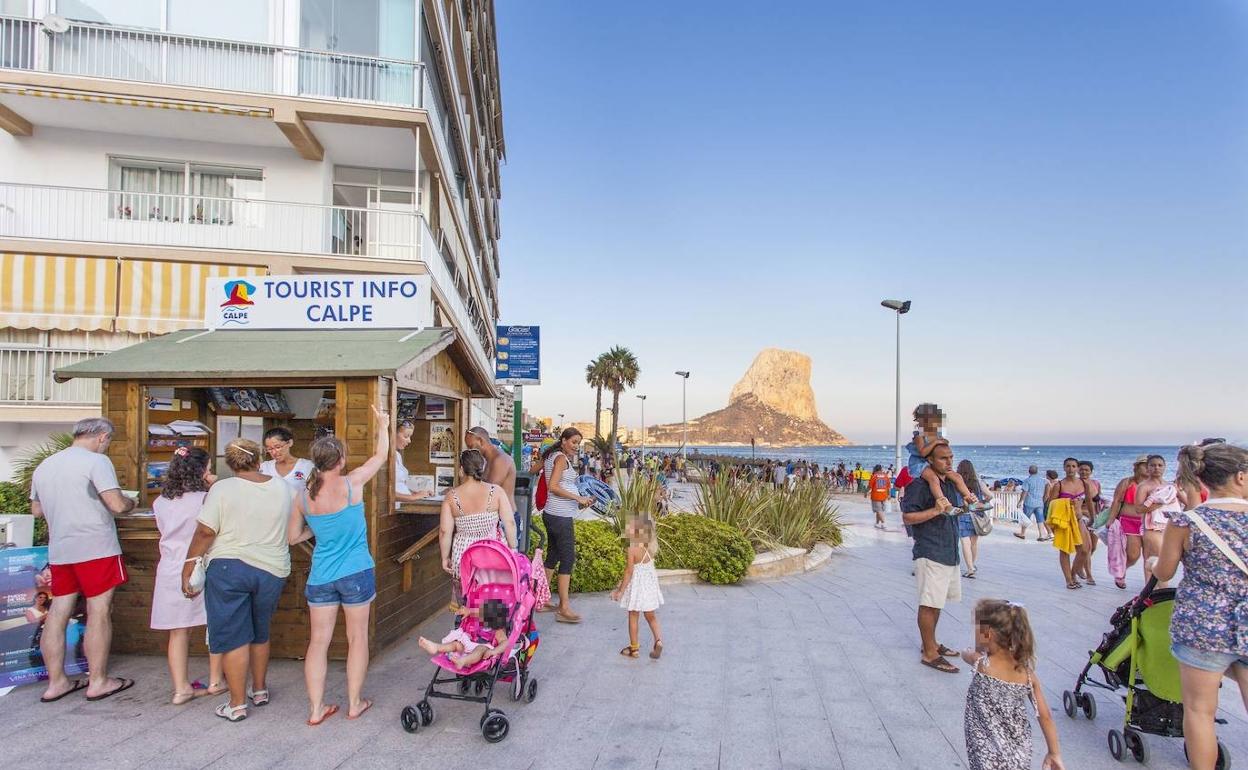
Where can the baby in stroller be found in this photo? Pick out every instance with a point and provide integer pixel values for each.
(461, 648)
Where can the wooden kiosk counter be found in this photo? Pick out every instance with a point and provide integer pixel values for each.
(247, 381)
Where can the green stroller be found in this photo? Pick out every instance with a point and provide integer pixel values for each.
(1135, 654)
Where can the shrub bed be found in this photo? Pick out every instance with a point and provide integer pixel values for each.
(600, 555)
(718, 551)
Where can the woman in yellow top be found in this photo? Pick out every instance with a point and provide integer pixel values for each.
(1065, 498)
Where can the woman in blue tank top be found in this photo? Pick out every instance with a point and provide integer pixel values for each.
(331, 509)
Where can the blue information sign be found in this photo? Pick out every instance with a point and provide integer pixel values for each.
(518, 356)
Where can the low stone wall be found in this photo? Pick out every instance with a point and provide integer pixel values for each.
(770, 564)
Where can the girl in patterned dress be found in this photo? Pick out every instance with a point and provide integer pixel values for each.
(1003, 689)
(638, 591)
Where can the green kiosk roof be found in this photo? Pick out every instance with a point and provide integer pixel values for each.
(198, 355)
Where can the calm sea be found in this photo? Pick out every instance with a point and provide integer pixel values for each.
(1110, 462)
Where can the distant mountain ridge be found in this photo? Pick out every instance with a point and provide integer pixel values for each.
(773, 404)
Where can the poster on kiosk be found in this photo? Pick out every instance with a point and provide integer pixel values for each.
(25, 596)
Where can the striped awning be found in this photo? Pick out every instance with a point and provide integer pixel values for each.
(136, 101)
(160, 297)
(38, 291)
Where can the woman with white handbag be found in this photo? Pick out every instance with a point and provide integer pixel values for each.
(1209, 628)
(181, 497)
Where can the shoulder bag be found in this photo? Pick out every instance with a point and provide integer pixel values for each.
(1217, 540)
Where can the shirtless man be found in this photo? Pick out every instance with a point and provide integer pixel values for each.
(500, 469)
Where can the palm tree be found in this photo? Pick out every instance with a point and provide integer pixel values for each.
(596, 376)
(622, 373)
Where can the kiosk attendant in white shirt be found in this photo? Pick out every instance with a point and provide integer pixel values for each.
(285, 466)
(403, 437)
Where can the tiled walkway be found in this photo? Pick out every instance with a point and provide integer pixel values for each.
(814, 671)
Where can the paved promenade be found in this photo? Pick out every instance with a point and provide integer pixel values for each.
(813, 671)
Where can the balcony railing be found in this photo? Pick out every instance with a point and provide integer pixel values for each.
(26, 377)
(205, 222)
(50, 213)
(128, 53)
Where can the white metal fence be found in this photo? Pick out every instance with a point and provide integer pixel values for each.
(1007, 504)
(26, 377)
(127, 53)
(198, 221)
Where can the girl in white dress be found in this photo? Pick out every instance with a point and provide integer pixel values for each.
(638, 591)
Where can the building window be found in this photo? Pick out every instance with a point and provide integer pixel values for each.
(181, 191)
(227, 19)
(367, 203)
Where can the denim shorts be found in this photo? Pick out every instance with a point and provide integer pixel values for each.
(350, 591)
(240, 600)
(1036, 513)
(1214, 662)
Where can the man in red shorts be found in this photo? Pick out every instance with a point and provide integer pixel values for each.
(76, 490)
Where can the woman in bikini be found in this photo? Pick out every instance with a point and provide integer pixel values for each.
(1080, 495)
(1124, 510)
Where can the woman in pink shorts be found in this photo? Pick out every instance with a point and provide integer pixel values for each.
(1125, 510)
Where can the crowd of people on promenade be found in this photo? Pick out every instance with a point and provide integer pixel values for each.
(225, 558)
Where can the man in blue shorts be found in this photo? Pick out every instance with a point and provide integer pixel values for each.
(1032, 503)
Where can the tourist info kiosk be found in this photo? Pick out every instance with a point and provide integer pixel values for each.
(204, 388)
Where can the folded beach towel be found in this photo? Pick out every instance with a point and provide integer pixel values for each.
(1116, 543)
(1063, 525)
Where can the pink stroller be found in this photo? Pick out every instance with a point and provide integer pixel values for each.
(488, 570)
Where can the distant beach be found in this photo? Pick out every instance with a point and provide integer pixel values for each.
(993, 461)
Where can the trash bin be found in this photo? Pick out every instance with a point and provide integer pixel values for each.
(524, 508)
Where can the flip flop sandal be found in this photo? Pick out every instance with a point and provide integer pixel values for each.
(562, 618)
(183, 698)
(940, 664)
(657, 652)
(1073, 586)
(326, 714)
(79, 684)
(1020, 537)
(368, 704)
(1120, 584)
(258, 697)
(126, 684)
(630, 651)
(231, 713)
(945, 652)
(1090, 582)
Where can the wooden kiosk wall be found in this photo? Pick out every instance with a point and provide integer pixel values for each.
(407, 593)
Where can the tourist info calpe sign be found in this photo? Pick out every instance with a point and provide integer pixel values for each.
(329, 301)
(518, 356)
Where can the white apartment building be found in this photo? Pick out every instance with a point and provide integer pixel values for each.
(146, 145)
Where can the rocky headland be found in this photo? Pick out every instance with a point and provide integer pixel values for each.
(773, 404)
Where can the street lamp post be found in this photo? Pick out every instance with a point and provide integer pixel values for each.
(561, 421)
(643, 428)
(684, 420)
(900, 307)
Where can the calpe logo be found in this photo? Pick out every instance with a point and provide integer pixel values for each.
(237, 300)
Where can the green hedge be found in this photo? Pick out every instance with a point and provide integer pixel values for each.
(13, 499)
(718, 551)
(600, 557)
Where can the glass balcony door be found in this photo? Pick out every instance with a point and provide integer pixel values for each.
(361, 31)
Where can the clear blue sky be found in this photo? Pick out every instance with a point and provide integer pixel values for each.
(1061, 188)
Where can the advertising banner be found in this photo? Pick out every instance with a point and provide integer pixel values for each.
(25, 596)
(518, 356)
(328, 301)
